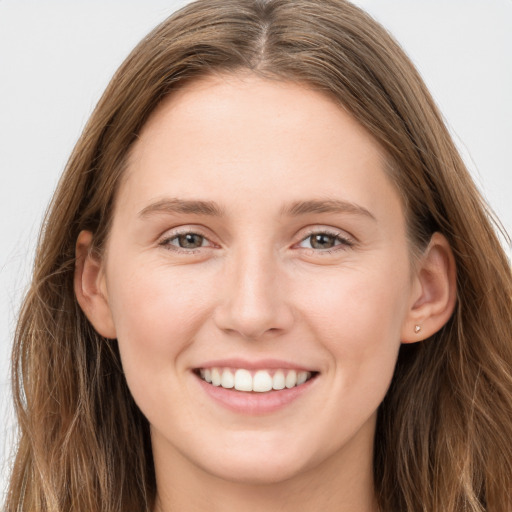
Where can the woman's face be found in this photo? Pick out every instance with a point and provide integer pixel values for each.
(257, 241)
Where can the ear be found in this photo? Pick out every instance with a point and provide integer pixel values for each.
(434, 292)
(90, 286)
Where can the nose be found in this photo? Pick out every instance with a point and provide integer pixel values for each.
(253, 300)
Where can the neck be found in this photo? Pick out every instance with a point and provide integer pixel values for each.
(341, 483)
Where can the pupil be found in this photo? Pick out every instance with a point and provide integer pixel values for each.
(322, 241)
(190, 241)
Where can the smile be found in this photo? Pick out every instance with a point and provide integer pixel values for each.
(259, 381)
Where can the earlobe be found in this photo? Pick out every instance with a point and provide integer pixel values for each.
(90, 289)
(433, 292)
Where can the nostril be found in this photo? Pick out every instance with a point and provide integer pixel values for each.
(253, 322)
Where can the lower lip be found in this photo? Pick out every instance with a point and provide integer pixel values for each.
(255, 403)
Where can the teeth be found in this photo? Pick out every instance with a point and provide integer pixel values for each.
(243, 380)
(291, 379)
(301, 378)
(228, 380)
(216, 377)
(261, 382)
(278, 381)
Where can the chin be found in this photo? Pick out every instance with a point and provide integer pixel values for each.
(255, 472)
(264, 460)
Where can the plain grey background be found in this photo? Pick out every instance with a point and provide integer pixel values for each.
(56, 57)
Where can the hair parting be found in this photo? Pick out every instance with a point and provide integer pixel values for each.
(444, 428)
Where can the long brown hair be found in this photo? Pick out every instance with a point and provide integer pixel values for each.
(444, 430)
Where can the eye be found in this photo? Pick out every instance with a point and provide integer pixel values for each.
(324, 241)
(186, 241)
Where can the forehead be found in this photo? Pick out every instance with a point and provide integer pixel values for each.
(265, 140)
(249, 108)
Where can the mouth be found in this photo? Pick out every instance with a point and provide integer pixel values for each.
(254, 381)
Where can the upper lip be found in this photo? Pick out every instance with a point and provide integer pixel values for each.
(259, 364)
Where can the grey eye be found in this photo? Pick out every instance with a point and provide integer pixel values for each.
(189, 241)
(322, 241)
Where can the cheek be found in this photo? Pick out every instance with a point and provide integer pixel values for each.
(358, 319)
(157, 311)
(358, 301)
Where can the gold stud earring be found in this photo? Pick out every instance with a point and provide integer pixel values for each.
(417, 329)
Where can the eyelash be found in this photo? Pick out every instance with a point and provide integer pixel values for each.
(166, 242)
(343, 242)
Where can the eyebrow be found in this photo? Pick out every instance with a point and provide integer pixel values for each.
(297, 208)
(325, 206)
(175, 205)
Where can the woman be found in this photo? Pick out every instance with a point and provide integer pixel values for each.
(266, 281)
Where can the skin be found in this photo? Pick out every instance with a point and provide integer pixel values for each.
(257, 288)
